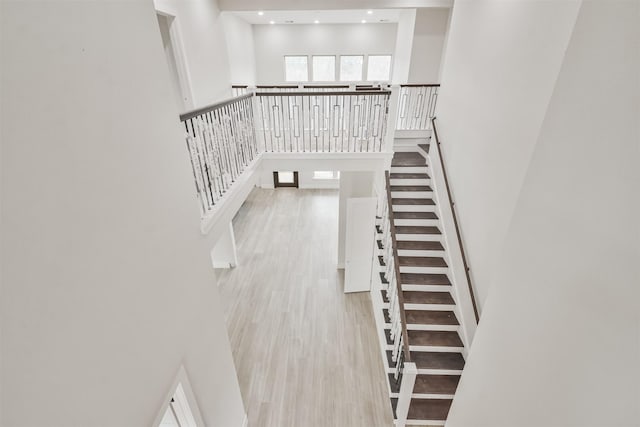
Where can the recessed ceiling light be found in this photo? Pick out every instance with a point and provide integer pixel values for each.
(261, 13)
(288, 22)
(316, 22)
(272, 22)
(369, 12)
(364, 21)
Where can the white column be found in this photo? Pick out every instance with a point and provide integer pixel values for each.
(223, 254)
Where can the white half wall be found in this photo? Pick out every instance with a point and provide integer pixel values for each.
(205, 49)
(500, 67)
(240, 48)
(558, 343)
(273, 42)
(428, 43)
(107, 285)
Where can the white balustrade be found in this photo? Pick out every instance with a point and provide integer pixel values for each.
(416, 106)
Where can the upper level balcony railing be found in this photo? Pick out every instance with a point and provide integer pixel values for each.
(224, 138)
(323, 121)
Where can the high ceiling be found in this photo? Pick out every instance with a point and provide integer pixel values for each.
(321, 16)
(255, 5)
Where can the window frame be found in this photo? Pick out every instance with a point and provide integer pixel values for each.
(390, 67)
(285, 68)
(313, 72)
(362, 68)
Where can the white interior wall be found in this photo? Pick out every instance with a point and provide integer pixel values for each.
(558, 344)
(240, 48)
(273, 42)
(404, 43)
(498, 57)
(428, 43)
(306, 180)
(205, 49)
(107, 286)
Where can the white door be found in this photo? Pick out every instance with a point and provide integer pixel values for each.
(359, 240)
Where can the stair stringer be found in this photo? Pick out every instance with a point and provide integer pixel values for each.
(453, 251)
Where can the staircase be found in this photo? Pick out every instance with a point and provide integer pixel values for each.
(432, 325)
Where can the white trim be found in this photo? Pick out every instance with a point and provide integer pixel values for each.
(181, 380)
(177, 44)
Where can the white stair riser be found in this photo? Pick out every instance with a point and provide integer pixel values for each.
(418, 222)
(409, 145)
(410, 252)
(412, 194)
(439, 372)
(412, 181)
(409, 169)
(423, 396)
(390, 370)
(433, 307)
(415, 327)
(427, 288)
(428, 348)
(430, 423)
(424, 270)
(431, 396)
(435, 349)
(451, 328)
(420, 237)
(414, 208)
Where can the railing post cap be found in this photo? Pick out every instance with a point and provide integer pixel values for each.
(410, 368)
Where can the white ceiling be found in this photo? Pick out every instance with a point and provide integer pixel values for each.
(323, 16)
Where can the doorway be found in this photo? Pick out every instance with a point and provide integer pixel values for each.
(285, 179)
(172, 46)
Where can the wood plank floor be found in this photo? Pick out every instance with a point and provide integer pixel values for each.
(306, 354)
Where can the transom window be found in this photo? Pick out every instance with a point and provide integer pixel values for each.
(351, 68)
(379, 68)
(296, 69)
(324, 68)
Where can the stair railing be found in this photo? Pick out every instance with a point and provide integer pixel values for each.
(224, 138)
(239, 90)
(325, 121)
(221, 143)
(455, 221)
(416, 106)
(405, 372)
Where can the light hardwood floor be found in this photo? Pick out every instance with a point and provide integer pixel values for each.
(306, 354)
